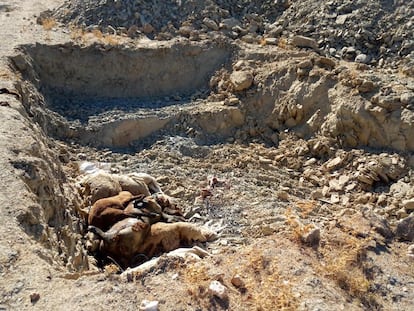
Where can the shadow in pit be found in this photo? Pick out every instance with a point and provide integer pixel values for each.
(80, 108)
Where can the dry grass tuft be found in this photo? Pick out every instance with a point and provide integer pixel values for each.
(265, 287)
(196, 272)
(111, 39)
(49, 23)
(343, 259)
(295, 226)
(98, 34)
(342, 251)
(196, 278)
(111, 269)
(76, 33)
(306, 207)
(81, 35)
(282, 43)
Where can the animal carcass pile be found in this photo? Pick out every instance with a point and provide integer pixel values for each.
(131, 220)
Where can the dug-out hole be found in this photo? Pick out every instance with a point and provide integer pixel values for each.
(77, 84)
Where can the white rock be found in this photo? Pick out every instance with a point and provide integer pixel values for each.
(241, 80)
(210, 23)
(217, 289)
(335, 162)
(408, 204)
(364, 178)
(147, 305)
(233, 101)
(341, 19)
(345, 200)
(410, 251)
(362, 58)
(351, 186)
(343, 180)
(271, 41)
(310, 162)
(335, 185)
(304, 42)
(229, 23)
(332, 51)
(407, 98)
(274, 30)
(335, 198)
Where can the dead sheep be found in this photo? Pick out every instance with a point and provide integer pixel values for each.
(130, 238)
(101, 185)
(165, 237)
(108, 211)
(123, 240)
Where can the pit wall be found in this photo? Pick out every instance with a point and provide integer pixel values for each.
(299, 91)
(313, 96)
(46, 203)
(54, 74)
(140, 72)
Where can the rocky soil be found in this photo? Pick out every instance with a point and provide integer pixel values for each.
(296, 115)
(375, 32)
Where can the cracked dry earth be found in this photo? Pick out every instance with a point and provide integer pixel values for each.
(314, 155)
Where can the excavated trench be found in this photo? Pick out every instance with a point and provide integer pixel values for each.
(111, 97)
(115, 98)
(102, 97)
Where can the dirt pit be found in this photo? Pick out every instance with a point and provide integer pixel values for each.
(110, 97)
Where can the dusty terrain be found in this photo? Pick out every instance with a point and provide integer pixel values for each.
(308, 124)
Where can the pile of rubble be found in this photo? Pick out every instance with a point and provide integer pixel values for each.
(347, 178)
(364, 31)
(331, 27)
(170, 18)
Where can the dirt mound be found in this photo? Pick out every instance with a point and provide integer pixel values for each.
(160, 14)
(377, 29)
(382, 38)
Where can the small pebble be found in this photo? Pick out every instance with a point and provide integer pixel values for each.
(147, 305)
(34, 297)
(218, 290)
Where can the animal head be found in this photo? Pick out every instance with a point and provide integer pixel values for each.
(148, 204)
(92, 243)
